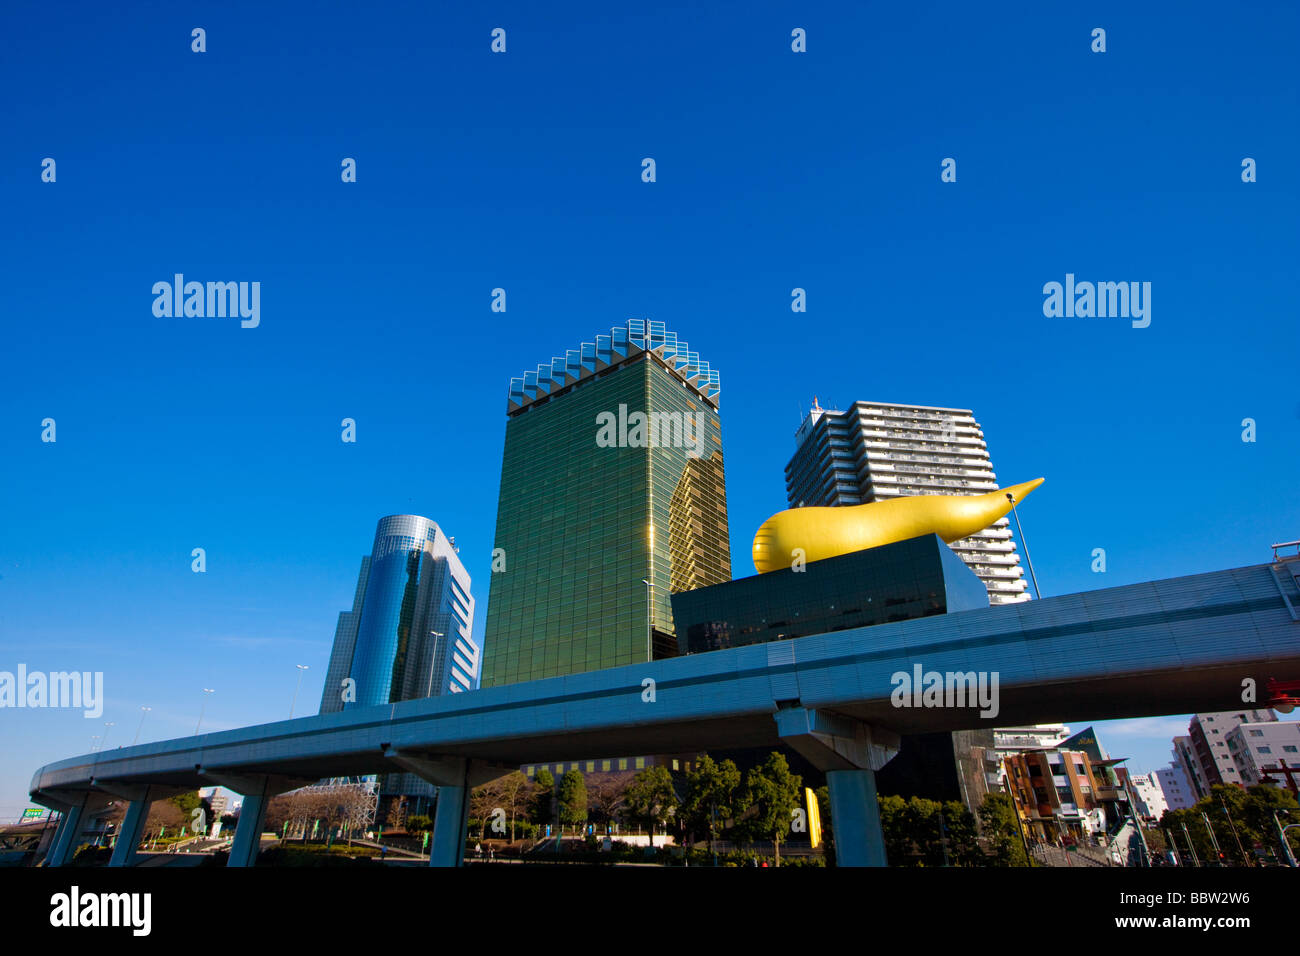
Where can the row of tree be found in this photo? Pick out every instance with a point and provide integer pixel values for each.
(714, 801)
(709, 802)
(1226, 827)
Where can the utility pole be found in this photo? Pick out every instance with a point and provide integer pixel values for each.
(1286, 844)
(1233, 827)
(1213, 840)
(1196, 861)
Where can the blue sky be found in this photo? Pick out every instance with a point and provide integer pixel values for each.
(775, 170)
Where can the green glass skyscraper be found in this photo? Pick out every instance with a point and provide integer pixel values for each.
(612, 498)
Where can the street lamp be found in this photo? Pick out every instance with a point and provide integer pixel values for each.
(96, 739)
(433, 660)
(294, 703)
(206, 691)
(104, 742)
(1024, 544)
(649, 597)
(143, 711)
(1281, 832)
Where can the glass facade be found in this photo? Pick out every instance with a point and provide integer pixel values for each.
(895, 582)
(584, 517)
(409, 633)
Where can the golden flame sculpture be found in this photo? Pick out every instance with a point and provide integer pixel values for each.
(812, 534)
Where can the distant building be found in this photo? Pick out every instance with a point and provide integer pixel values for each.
(1175, 787)
(1008, 741)
(1061, 792)
(612, 498)
(1267, 745)
(410, 631)
(875, 451)
(1149, 797)
(1204, 753)
(409, 634)
(218, 799)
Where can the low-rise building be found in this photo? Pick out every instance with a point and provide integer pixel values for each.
(1064, 793)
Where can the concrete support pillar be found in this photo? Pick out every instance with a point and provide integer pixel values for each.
(855, 815)
(450, 823)
(132, 829)
(454, 777)
(850, 752)
(65, 841)
(257, 790)
(248, 834)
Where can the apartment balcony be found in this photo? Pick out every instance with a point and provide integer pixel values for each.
(997, 584)
(998, 559)
(997, 573)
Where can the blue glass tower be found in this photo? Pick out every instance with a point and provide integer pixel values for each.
(409, 633)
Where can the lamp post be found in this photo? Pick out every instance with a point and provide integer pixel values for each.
(140, 726)
(433, 659)
(294, 703)
(104, 742)
(1024, 544)
(1286, 844)
(95, 738)
(1196, 860)
(649, 597)
(202, 708)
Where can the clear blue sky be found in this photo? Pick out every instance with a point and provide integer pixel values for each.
(522, 170)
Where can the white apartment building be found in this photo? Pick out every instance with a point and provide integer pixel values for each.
(1203, 753)
(1264, 746)
(1175, 786)
(1148, 796)
(876, 450)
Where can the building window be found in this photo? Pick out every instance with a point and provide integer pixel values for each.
(640, 763)
(604, 765)
(1257, 733)
(1266, 750)
(622, 763)
(674, 764)
(1287, 748)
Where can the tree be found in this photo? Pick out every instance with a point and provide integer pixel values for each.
(484, 801)
(573, 798)
(651, 798)
(771, 795)
(828, 825)
(898, 842)
(543, 792)
(515, 797)
(963, 842)
(710, 797)
(607, 795)
(1002, 828)
(1235, 816)
(1264, 800)
(396, 814)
